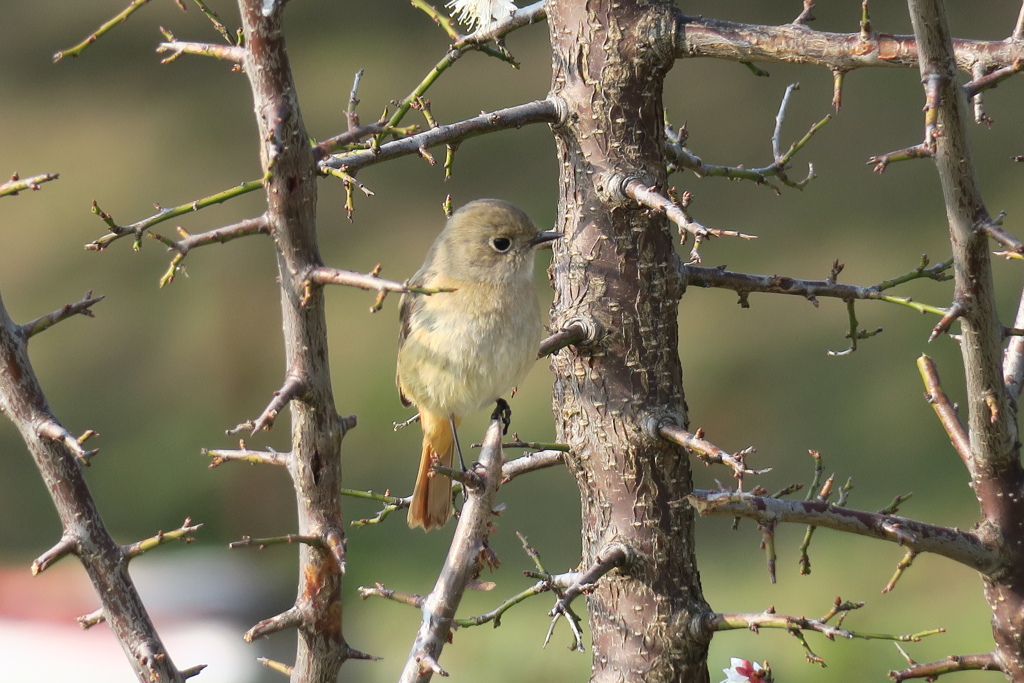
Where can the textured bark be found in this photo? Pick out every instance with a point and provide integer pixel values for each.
(996, 474)
(616, 271)
(85, 535)
(315, 463)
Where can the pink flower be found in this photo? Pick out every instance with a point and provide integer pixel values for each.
(743, 671)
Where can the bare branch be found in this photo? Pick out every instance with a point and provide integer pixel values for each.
(754, 621)
(120, 18)
(223, 235)
(986, 661)
(139, 228)
(291, 618)
(844, 52)
(18, 184)
(43, 323)
(944, 408)
(574, 333)
(993, 78)
(649, 196)
(709, 453)
(67, 545)
(541, 111)
(461, 564)
(294, 386)
(610, 557)
(177, 48)
(964, 547)
(183, 533)
(271, 457)
(530, 463)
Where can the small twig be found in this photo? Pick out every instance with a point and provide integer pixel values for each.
(67, 545)
(274, 665)
(992, 79)
(612, 556)
(52, 430)
(993, 229)
(183, 533)
(651, 198)
(261, 543)
(294, 386)
(290, 618)
(709, 453)
(87, 621)
(18, 184)
(530, 463)
(965, 547)
(755, 621)
(986, 661)
(139, 228)
(926, 149)
(956, 310)
(901, 566)
(177, 48)
(381, 591)
(946, 411)
(570, 335)
(119, 18)
(270, 457)
(806, 15)
(222, 235)
(43, 323)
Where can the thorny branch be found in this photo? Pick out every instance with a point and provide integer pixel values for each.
(796, 626)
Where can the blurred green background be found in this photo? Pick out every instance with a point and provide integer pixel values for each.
(161, 374)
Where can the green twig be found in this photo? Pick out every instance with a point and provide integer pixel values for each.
(120, 18)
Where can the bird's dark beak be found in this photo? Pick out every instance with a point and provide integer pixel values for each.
(544, 238)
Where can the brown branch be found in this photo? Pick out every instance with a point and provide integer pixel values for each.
(993, 78)
(43, 323)
(530, 462)
(709, 453)
(87, 621)
(219, 457)
(986, 661)
(572, 334)
(540, 111)
(795, 626)
(67, 545)
(607, 559)
(290, 618)
(843, 52)
(58, 457)
(17, 184)
(944, 408)
(637, 190)
(462, 563)
(964, 547)
(381, 591)
(295, 386)
(177, 48)
(222, 235)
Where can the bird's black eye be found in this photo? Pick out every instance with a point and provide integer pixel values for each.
(501, 243)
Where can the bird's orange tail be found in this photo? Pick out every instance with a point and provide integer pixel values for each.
(432, 497)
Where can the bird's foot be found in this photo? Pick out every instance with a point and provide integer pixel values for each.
(504, 413)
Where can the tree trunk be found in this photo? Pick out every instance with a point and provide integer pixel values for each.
(616, 272)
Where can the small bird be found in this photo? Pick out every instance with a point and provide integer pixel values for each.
(460, 350)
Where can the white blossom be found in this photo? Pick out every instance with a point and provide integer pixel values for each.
(478, 14)
(743, 671)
